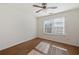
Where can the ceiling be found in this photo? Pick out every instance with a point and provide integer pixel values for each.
(60, 8)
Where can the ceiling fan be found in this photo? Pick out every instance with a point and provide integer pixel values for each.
(43, 7)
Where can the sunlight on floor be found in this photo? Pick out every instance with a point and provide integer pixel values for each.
(44, 48)
(34, 52)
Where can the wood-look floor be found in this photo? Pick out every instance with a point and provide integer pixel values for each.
(26, 47)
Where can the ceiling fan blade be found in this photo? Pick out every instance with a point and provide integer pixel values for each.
(37, 6)
(51, 7)
(39, 10)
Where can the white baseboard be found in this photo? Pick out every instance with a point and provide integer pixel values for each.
(18, 42)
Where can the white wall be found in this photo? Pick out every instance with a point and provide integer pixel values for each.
(17, 24)
(71, 28)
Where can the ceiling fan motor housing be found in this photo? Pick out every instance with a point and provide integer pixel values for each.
(44, 5)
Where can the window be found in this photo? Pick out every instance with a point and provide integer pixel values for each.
(47, 27)
(55, 26)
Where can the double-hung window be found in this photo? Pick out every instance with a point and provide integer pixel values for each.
(55, 26)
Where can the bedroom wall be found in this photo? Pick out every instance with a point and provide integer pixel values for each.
(17, 24)
(71, 27)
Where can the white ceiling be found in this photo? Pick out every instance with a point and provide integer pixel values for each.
(60, 8)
